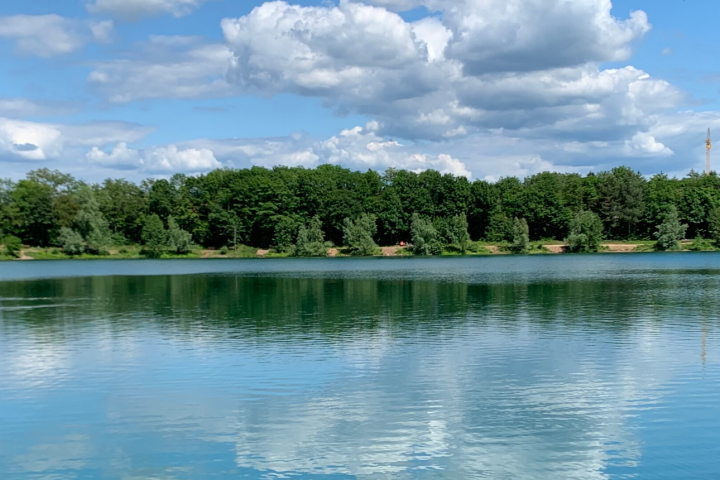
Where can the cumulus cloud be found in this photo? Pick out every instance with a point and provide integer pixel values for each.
(51, 35)
(531, 35)
(29, 141)
(136, 9)
(33, 141)
(170, 66)
(168, 159)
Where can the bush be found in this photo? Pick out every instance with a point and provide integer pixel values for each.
(521, 236)
(123, 250)
(670, 232)
(424, 237)
(714, 225)
(13, 246)
(224, 251)
(458, 228)
(286, 231)
(586, 231)
(358, 235)
(180, 241)
(154, 236)
(701, 245)
(71, 242)
(311, 240)
(99, 241)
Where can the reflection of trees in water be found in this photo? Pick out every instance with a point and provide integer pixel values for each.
(229, 306)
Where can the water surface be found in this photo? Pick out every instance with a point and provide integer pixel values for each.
(547, 367)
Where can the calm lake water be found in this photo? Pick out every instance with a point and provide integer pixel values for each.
(544, 367)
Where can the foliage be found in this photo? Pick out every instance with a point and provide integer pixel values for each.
(71, 241)
(586, 231)
(714, 225)
(179, 240)
(459, 236)
(286, 230)
(358, 235)
(154, 236)
(311, 240)
(224, 250)
(13, 246)
(670, 232)
(425, 238)
(700, 244)
(521, 236)
(266, 207)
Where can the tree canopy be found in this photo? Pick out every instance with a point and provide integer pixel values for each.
(268, 208)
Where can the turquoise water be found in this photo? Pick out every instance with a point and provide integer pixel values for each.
(544, 367)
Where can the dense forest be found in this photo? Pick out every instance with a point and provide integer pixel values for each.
(269, 207)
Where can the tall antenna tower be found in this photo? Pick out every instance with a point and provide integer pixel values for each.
(708, 146)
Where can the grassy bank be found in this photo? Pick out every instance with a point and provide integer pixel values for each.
(478, 249)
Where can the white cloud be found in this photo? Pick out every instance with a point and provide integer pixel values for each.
(23, 107)
(102, 31)
(167, 159)
(136, 9)
(170, 66)
(532, 35)
(29, 141)
(34, 141)
(51, 35)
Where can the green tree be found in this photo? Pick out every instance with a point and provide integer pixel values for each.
(521, 236)
(670, 232)
(286, 229)
(13, 246)
(179, 240)
(714, 225)
(458, 228)
(425, 238)
(358, 235)
(71, 241)
(91, 224)
(311, 240)
(154, 236)
(500, 227)
(586, 232)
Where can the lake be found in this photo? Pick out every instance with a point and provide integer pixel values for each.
(539, 367)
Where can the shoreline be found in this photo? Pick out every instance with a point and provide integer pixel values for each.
(30, 254)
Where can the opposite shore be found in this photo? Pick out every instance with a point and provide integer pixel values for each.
(484, 249)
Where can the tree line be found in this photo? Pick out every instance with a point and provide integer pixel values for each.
(303, 210)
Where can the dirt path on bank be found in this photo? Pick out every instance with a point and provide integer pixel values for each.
(620, 247)
(23, 256)
(262, 253)
(332, 252)
(390, 251)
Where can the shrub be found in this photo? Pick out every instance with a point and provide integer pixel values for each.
(521, 236)
(358, 235)
(586, 231)
(224, 250)
(311, 240)
(154, 236)
(424, 237)
(99, 241)
(714, 225)
(670, 232)
(71, 242)
(458, 228)
(286, 231)
(701, 245)
(13, 246)
(180, 241)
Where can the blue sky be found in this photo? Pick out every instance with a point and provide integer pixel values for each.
(483, 88)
